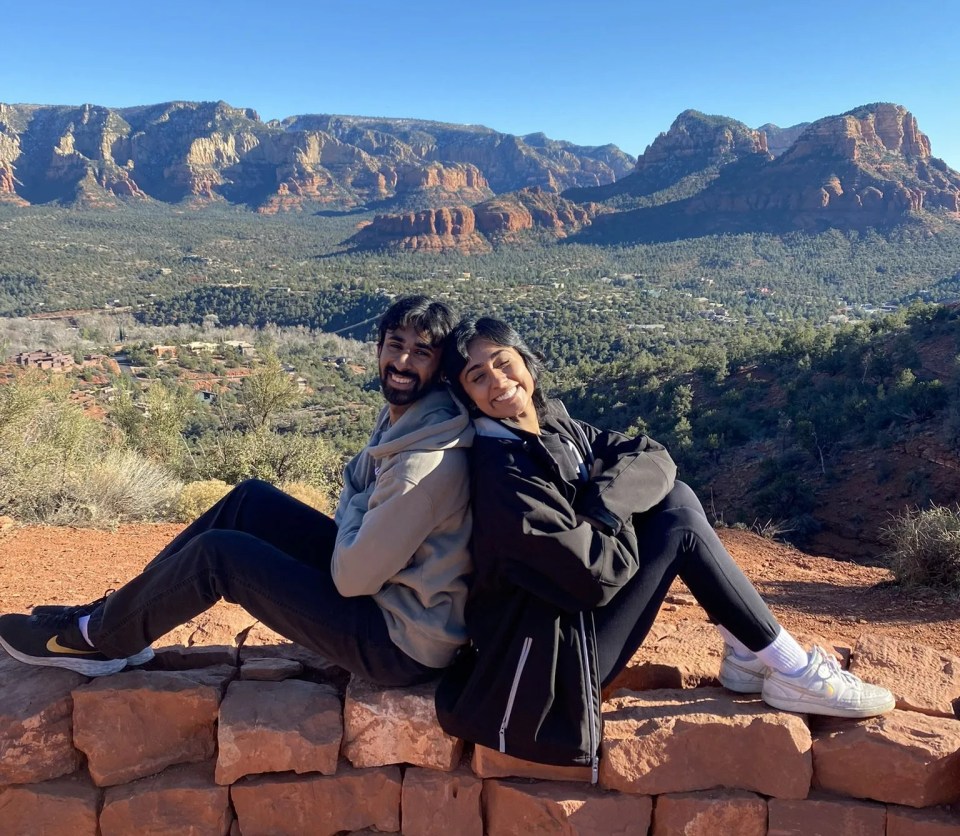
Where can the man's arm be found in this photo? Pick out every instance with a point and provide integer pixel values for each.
(409, 500)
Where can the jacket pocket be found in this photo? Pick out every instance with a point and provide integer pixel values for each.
(514, 687)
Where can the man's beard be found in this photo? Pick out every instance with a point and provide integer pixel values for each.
(401, 397)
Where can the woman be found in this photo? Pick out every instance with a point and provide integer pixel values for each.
(578, 534)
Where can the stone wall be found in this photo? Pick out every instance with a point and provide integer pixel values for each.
(270, 740)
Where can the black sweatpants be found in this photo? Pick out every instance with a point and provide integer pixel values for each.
(676, 539)
(269, 553)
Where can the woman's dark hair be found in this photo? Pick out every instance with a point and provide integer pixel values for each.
(428, 317)
(457, 348)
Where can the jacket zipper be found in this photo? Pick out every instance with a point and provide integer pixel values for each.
(524, 653)
(594, 744)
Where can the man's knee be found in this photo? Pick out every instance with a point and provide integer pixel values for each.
(252, 489)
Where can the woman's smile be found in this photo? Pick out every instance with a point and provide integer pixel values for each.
(497, 380)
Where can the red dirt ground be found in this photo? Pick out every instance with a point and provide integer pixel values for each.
(809, 594)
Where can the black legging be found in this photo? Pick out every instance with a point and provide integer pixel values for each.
(676, 539)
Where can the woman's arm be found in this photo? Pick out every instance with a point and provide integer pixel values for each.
(632, 476)
(527, 530)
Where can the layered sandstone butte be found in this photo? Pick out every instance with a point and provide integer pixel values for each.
(210, 151)
(435, 230)
(869, 167)
(499, 220)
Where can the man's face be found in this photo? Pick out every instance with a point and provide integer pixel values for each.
(408, 366)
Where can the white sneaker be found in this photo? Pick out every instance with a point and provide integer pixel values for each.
(823, 687)
(745, 676)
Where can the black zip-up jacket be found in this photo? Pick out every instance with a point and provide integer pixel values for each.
(528, 683)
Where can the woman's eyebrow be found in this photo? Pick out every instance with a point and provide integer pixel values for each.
(489, 359)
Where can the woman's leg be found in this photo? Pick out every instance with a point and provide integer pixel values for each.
(676, 539)
(294, 598)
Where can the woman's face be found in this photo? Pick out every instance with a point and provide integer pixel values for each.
(497, 380)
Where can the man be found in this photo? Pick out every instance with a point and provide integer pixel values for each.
(379, 590)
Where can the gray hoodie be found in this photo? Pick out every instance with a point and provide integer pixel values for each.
(404, 526)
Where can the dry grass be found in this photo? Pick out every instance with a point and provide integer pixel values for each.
(924, 547)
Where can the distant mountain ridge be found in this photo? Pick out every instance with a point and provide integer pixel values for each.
(868, 168)
(209, 151)
(442, 187)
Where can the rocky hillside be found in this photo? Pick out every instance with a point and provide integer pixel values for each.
(869, 168)
(210, 151)
(473, 229)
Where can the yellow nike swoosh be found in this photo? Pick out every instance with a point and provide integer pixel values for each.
(55, 647)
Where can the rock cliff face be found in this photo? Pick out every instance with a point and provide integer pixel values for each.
(868, 167)
(694, 150)
(780, 139)
(434, 230)
(697, 141)
(499, 220)
(210, 151)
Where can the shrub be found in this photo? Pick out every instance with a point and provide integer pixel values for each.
(309, 495)
(924, 547)
(197, 497)
(127, 487)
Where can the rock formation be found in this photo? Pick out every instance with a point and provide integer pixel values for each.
(210, 151)
(430, 229)
(868, 167)
(499, 220)
(780, 139)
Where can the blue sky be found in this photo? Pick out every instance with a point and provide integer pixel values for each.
(590, 72)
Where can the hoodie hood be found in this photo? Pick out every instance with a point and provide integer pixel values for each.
(437, 421)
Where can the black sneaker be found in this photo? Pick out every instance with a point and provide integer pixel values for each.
(33, 643)
(59, 616)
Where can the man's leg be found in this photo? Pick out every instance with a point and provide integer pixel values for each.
(294, 598)
(258, 508)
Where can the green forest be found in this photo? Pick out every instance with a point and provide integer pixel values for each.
(771, 366)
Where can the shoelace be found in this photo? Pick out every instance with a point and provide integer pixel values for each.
(829, 661)
(68, 615)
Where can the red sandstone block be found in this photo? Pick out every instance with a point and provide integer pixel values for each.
(61, 807)
(440, 803)
(901, 758)
(181, 799)
(669, 741)
(511, 807)
(822, 815)
(138, 723)
(36, 722)
(930, 821)
(710, 813)
(321, 805)
(489, 763)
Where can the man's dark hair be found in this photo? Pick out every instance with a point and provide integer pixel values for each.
(457, 349)
(431, 319)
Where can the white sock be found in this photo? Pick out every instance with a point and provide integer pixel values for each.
(784, 654)
(738, 647)
(82, 623)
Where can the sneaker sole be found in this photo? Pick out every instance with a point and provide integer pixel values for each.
(738, 679)
(741, 686)
(799, 706)
(87, 667)
(142, 657)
